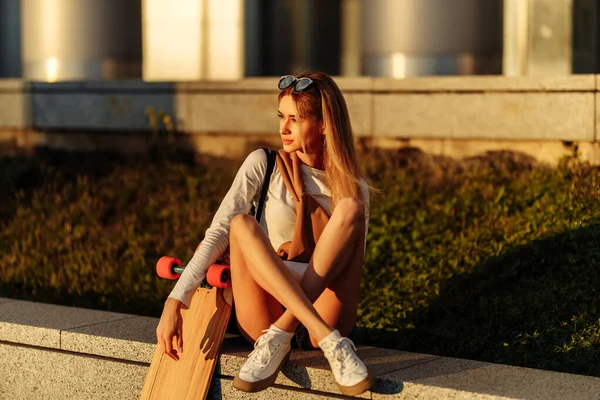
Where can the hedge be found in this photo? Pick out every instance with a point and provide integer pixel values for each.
(492, 258)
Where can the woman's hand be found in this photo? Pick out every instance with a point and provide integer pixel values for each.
(225, 257)
(171, 326)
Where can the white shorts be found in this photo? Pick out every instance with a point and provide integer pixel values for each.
(296, 268)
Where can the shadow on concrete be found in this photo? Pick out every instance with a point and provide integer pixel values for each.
(297, 374)
(99, 106)
(127, 117)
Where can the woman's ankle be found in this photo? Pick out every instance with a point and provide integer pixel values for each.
(281, 332)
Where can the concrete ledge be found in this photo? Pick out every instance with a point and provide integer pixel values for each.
(39, 373)
(43, 324)
(50, 351)
(476, 107)
(487, 84)
(12, 85)
(435, 84)
(14, 105)
(517, 116)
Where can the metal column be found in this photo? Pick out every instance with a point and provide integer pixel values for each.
(403, 38)
(81, 39)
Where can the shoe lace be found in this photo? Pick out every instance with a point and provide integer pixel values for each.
(343, 354)
(263, 349)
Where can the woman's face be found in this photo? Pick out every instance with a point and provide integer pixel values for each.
(298, 133)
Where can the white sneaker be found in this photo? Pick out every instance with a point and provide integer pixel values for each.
(350, 373)
(271, 352)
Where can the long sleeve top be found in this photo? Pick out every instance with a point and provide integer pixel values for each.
(278, 219)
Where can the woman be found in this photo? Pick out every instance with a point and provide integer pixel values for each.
(315, 215)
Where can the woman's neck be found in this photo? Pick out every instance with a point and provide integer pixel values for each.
(312, 160)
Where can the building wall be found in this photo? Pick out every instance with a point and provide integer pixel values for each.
(186, 40)
(228, 39)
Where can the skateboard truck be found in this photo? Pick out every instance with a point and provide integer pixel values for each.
(171, 268)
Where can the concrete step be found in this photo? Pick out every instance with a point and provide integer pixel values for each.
(48, 351)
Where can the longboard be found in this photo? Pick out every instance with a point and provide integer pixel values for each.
(204, 325)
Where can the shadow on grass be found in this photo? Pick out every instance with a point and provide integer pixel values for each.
(537, 305)
(116, 302)
(25, 174)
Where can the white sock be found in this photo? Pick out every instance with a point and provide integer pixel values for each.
(281, 332)
(335, 335)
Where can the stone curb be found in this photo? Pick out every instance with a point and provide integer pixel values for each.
(399, 374)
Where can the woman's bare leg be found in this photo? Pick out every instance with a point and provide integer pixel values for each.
(332, 279)
(269, 272)
(255, 308)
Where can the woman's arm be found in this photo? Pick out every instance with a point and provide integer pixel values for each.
(244, 190)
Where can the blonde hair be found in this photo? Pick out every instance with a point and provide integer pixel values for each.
(324, 100)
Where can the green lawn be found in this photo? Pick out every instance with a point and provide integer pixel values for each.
(494, 258)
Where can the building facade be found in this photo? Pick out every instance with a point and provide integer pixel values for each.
(55, 40)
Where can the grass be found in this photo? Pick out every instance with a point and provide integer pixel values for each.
(493, 258)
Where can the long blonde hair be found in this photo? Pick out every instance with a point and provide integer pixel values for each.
(325, 101)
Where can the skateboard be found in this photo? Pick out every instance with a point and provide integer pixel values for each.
(204, 325)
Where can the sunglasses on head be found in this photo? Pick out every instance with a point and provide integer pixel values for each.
(300, 84)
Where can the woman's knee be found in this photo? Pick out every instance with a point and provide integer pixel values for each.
(242, 223)
(351, 210)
